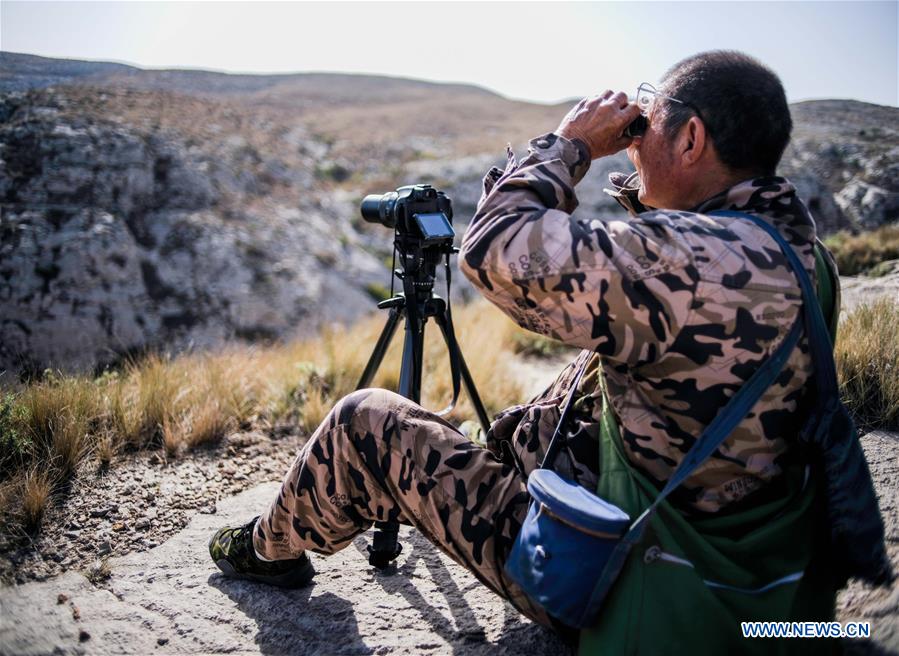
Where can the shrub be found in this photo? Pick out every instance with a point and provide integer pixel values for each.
(15, 442)
(528, 343)
(867, 357)
(856, 254)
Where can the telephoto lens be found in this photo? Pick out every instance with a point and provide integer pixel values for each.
(378, 208)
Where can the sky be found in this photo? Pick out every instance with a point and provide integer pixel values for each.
(538, 51)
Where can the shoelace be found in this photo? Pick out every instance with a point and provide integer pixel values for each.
(238, 539)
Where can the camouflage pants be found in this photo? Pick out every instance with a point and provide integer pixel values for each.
(378, 456)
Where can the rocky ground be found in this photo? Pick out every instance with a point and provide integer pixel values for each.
(121, 567)
(171, 600)
(864, 289)
(141, 502)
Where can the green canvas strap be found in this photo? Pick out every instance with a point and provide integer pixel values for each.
(828, 286)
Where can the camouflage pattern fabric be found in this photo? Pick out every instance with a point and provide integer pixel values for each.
(680, 307)
(378, 456)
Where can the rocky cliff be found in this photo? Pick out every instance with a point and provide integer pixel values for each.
(181, 209)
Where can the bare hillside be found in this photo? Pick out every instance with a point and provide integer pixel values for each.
(146, 209)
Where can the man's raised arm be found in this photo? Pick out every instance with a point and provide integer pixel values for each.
(622, 288)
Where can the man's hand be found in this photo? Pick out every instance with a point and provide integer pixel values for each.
(599, 122)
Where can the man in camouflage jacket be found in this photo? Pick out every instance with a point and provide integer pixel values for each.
(675, 307)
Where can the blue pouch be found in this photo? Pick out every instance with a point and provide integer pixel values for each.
(565, 524)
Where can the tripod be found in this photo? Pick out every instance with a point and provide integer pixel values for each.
(416, 303)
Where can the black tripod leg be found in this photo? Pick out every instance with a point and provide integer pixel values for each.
(385, 546)
(466, 375)
(413, 350)
(377, 355)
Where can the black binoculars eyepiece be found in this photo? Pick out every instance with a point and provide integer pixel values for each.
(637, 127)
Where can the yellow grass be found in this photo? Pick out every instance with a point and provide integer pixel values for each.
(35, 489)
(53, 426)
(867, 356)
(186, 402)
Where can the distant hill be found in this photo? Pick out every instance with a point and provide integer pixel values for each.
(146, 209)
(19, 72)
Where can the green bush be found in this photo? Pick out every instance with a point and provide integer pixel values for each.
(528, 343)
(15, 442)
(855, 254)
(377, 291)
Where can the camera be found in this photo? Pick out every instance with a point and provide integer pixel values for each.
(418, 211)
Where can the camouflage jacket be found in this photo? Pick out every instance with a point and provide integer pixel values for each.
(679, 307)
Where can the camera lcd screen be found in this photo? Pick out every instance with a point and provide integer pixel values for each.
(434, 225)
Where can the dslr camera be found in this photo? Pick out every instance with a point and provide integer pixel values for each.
(418, 213)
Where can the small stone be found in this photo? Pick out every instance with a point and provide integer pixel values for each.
(61, 598)
(118, 526)
(162, 641)
(72, 535)
(76, 614)
(58, 557)
(104, 548)
(100, 512)
(83, 636)
(142, 524)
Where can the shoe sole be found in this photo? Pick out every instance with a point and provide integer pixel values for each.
(297, 578)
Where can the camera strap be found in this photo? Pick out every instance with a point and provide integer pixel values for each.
(557, 441)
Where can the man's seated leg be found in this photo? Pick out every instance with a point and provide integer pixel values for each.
(379, 457)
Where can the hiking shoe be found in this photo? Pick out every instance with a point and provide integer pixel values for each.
(232, 551)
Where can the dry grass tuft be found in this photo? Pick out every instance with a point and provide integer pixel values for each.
(867, 357)
(861, 253)
(171, 437)
(208, 424)
(105, 451)
(35, 490)
(99, 571)
(315, 408)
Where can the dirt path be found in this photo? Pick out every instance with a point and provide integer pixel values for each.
(862, 289)
(171, 600)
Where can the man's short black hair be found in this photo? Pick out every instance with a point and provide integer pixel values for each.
(740, 100)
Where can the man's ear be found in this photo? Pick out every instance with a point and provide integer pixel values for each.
(693, 141)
